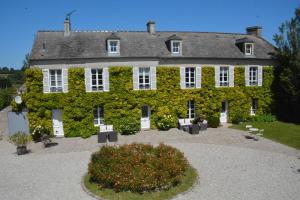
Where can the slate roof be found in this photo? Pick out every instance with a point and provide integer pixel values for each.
(134, 44)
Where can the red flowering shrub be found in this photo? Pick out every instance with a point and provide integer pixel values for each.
(137, 167)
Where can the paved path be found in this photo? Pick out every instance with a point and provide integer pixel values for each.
(230, 167)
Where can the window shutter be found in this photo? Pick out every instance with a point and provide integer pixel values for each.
(247, 81)
(105, 79)
(217, 76)
(182, 77)
(135, 78)
(231, 76)
(260, 75)
(46, 86)
(153, 77)
(65, 80)
(198, 77)
(87, 76)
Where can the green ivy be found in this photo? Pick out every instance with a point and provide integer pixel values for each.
(123, 102)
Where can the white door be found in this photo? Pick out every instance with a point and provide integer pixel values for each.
(145, 118)
(57, 123)
(224, 112)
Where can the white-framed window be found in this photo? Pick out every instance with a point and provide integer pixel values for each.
(144, 78)
(191, 109)
(253, 76)
(55, 80)
(190, 77)
(224, 76)
(176, 47)
(98, 116)
(113, 46)
(97, 79)
(254, 105)
(249, 49)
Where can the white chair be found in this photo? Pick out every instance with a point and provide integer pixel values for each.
(248, 126)
(106, 128)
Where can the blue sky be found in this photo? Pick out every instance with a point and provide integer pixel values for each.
(20, 19)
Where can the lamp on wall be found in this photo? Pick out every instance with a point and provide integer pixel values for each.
(18, 99)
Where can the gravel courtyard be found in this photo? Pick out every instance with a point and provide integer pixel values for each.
(230, 166)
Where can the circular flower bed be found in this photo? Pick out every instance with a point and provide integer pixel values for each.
(137, 167)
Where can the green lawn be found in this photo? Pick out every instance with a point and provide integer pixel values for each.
(188, 181)
(285, 133)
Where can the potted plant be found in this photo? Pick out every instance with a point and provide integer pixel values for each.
(20, 139)
(194, 128)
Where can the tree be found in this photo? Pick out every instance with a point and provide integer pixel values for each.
(287, 73)
(26, 62)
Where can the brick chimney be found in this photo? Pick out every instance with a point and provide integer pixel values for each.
(151, 27)
(67, 27)
(255, 31)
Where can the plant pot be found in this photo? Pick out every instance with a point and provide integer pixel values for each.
(194, 129)
(112, 136)
(102, 137)
(21, 150)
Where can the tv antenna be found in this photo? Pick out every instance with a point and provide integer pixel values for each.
(68, 15)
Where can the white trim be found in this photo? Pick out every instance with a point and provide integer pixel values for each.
(180, 48)
(117, 47)
(251, 49)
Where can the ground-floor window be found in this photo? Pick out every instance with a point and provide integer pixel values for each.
(191, 109)
(254, 105)
(98, 116)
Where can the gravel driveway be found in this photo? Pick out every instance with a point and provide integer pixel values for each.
(230, 167)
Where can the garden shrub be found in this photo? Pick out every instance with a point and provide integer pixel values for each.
(137, 167)
(129, 126)
(213, 121)
(5, 98)
(165, 120)
(264, 118)
(237, 118)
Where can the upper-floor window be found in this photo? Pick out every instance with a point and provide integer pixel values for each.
(144, 78)
(56, 80)
(190, 77)
(191, 109)
(249, 49)
(176, 47)
(224, 76)
(97, 79)
(253, 76)
(113, 46)
(98, 116)
(254, 105)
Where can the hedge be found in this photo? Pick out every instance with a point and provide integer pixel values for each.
(123, 102)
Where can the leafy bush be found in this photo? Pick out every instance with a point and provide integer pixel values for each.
(129, 126)
(213, 121)
(237, 118)
(20, 139)
(38, 132)
(264, 118)
(166, 122)
(5, 99)
(137, 167)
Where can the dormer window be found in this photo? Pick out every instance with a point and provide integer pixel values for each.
(113, 44)
(176, 47)
(113, 47)
(249, 49)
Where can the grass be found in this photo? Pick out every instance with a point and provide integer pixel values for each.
(188, 181)
(285, 133)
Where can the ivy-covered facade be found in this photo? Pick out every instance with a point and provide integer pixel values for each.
(80, 80)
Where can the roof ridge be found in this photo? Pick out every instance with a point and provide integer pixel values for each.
(135, 31)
